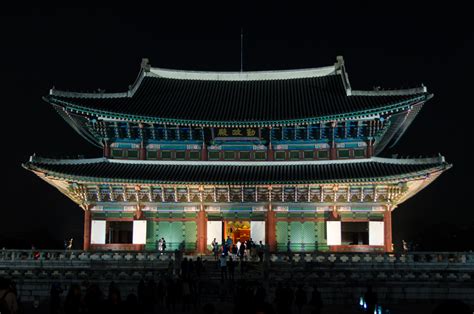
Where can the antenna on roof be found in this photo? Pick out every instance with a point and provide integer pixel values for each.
(241, 49)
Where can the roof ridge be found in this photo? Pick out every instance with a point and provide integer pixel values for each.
(242, 76)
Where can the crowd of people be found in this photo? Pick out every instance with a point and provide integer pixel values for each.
(246, 250)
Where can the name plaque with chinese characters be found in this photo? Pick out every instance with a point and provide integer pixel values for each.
(236, 132)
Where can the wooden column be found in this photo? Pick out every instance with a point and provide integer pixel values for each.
(106, 149)
(142, 152)
(204, 151)
(271, 229)
(332, 149)
(387, 218)
(201, 230)
(370, 148)
(270, 153)
(139, 212)
(87, 228)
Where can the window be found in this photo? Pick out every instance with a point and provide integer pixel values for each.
(117, 153)
(213, 155)
(343, 153)
(244, 155)
(323, 154)
(309, 154)
(119, 232)
(260, 156)
(194, 155)
(280, 155)
(294, 155)
(180, 155)
(132, 154)
(229, 155)
(152, 154)
(355, 233)
(166, 155)
(359, 153)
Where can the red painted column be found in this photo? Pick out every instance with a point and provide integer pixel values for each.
(142, 152)
(332, 149)
(370, 148)
(270, 229)
(201, 230)
(204, 151)
(387, 218)
(139, 212)
(87, 228)
(270, 153)
(106, 149)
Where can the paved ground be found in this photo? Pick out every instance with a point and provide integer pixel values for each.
(226, 308)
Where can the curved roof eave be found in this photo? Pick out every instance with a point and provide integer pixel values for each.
(109, 115)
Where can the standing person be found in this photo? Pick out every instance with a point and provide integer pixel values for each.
(288, 250)
(223, 264)
(160, 246)
(73, 303)
(164, 244)
(69, 244)
(231, 267)
(238, 244)
(228, 242)
(300, 298)
(371, 299)
(8, 301)
(316, 301)
(260, 250)
(234, 251)
(55, 298)
(215, 248)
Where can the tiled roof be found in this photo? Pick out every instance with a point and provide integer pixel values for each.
(206, 172)
(252, 97)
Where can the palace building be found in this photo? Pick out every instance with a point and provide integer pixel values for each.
(283, 157)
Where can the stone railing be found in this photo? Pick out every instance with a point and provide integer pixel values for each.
(412, 258)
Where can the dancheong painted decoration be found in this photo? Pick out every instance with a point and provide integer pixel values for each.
(283, 157)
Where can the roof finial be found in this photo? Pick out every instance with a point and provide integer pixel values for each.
(145, 65)
(340, 62)
(241, 49)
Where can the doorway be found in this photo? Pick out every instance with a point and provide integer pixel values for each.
(237, 230)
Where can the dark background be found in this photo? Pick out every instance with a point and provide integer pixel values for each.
(393, 46)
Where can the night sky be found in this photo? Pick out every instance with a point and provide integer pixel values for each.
(85, 49)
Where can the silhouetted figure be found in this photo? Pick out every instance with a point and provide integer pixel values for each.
(94, 300)
(198, 266)
(141, 291)
(209, 308)
(452, 306)
(8, 296)
(184, 268)
(73, 303)
(114, 302)
(160, 294)
(316, 301)
(149, 297)
(230, 268)
(300, 298)
(131, 305)
(55, 298)
(370, 298)
(223, 266)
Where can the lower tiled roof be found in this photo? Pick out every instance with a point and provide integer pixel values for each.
(236, 173)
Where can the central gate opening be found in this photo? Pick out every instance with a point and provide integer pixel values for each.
(237, 230)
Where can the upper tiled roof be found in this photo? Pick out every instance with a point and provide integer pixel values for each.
(236, 173)
(226, 98)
